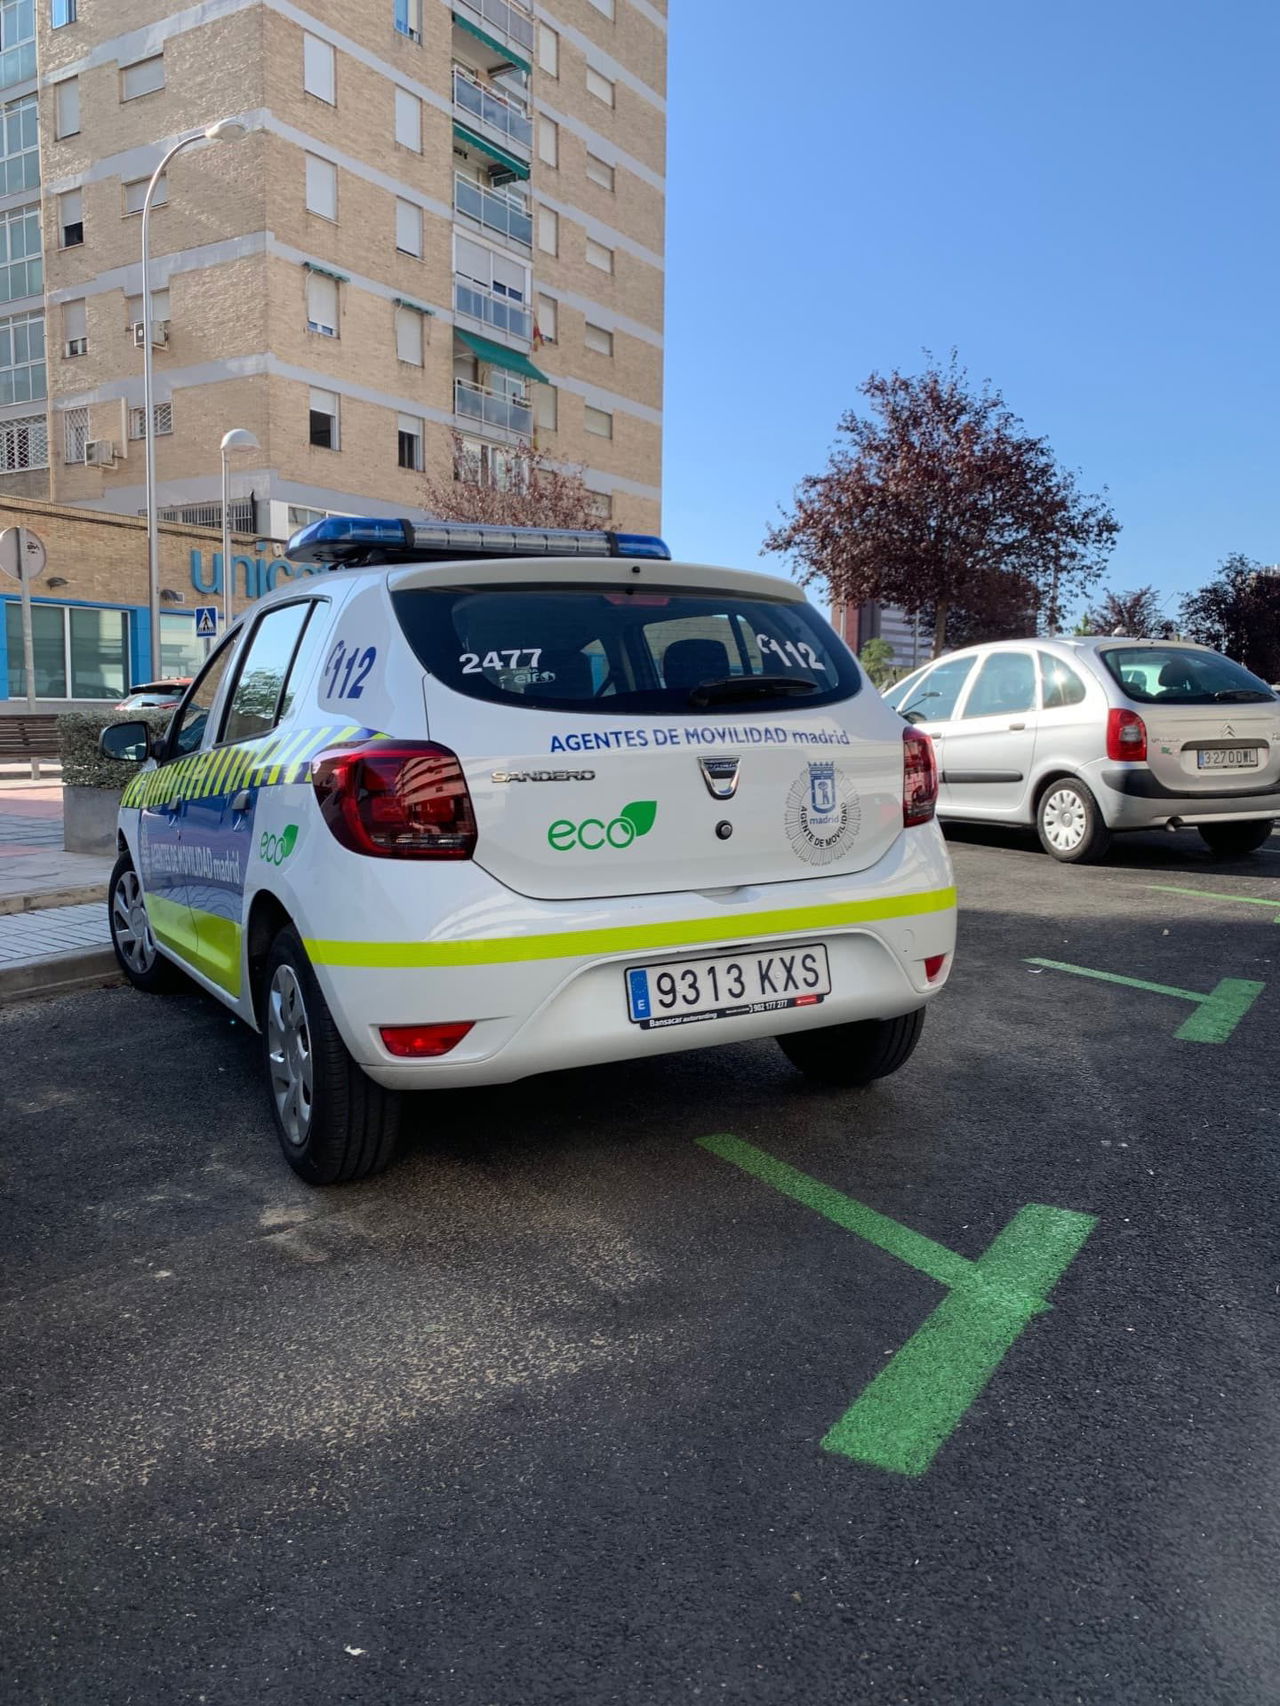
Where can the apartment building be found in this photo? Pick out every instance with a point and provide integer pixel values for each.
(447, 219)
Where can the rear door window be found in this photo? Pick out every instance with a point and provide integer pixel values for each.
(264, 669)
(1158, 675)
(192, 720)
(1062, 686)
(618, 651)
(1006, 683)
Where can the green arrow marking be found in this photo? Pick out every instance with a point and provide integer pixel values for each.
(1209, 894)
(1220, 1011)
(918, 1399)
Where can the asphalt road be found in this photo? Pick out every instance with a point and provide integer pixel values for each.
(538, 1416)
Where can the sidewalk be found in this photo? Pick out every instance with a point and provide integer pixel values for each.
(53, 915)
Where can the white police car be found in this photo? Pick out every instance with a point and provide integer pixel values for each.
(481, 803)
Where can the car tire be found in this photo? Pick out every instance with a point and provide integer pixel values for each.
(334, 1123)
(1234, 840)
(856, 1054)
(132, 938)
(1070, 825)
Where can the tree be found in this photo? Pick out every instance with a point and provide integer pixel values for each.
(940, 501)
(516, 486)
(876, 657)
(1135, 613)
(1238, 613)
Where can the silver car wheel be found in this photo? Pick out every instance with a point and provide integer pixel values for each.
(289, 1052)
(1065, 818)
(130, 925)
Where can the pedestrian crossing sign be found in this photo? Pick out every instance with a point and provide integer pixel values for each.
(206, 621)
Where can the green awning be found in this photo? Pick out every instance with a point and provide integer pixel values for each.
(517, 168)
(509, 54)
(497, 355)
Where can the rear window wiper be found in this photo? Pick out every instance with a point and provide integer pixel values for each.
(751, 687)
(1250, 695)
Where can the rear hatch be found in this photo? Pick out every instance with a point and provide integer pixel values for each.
(1212, 727)
(702, 732)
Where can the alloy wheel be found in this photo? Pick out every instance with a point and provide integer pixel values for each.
(289, 1052)
(130, 925)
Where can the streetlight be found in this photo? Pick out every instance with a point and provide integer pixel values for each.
(239, 438)
(226, 130)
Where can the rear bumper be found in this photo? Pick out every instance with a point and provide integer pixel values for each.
(1134, 798)
(544, 985)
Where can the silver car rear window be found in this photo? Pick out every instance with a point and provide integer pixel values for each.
(1168, 675)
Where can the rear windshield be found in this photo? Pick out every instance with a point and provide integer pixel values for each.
(649, 652)
(1157, 675)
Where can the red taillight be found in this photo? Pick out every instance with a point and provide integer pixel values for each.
(424, 1042)
(407, 801)
(919, 778)
(1126, 735)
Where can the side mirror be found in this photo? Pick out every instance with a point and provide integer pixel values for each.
(129, 742)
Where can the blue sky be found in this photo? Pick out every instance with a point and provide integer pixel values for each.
(1082, 200)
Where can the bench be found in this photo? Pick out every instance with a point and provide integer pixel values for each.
(31, 738)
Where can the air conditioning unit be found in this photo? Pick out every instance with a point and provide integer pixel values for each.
(100, 453)
(76, 346)
(159, 333)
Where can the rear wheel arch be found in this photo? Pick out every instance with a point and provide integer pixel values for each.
(268, 916)
(1058, 773)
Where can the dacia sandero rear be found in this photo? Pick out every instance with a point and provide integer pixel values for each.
(482, 803)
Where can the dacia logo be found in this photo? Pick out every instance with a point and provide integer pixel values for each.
(593, 833)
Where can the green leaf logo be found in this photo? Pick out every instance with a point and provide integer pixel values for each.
(640, 814)
(288, 841)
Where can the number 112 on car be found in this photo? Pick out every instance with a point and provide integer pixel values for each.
(347, 671)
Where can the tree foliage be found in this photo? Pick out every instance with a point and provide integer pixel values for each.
(876, 657)
(520, 488)
(1238, 613)
(1135, 613)
(938, 499)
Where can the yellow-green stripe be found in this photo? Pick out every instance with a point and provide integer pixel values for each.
(639, 938)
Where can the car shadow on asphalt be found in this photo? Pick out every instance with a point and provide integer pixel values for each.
(1181, 851)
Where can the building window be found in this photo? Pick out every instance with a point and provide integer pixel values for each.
(322, 187)
(71, 218)
(599, 86)
(75, 435)
(135, 194)
(20, 144)
(479, 463)
(408, 228)
(62, 12)
(548, 51)
(408, 17)
(21, 262)
(409, 335)
(17, 41)
(75, 328)
(300, 516)
(143, 77)
(322, 304)
(324, 419)
(319, 70)
(136, 312)
(491, 287)
(548, 231)
(600, 172)
(84, 650)
(546, 412)
(409, 450)
(598, 339)
(163, 415)
(22, 370)
(599, 422)
(599, 256)
(548, 319)
(66, 102)
(548, 142)
(24, 444)
(408, 121)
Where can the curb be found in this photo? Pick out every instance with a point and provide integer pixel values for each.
(84, 895)
(59, 974)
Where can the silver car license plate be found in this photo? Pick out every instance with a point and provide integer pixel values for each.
(1227, 757)
(684, 992)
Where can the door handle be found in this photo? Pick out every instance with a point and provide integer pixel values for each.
(1017, 725)
(242, 801)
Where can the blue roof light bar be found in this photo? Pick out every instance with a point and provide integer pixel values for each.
(353, 541)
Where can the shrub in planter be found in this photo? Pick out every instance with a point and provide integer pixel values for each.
(92, 784)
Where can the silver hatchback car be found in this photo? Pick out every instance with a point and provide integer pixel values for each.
(1084, 737)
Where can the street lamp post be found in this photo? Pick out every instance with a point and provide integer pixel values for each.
(226, 130)
(239, 438)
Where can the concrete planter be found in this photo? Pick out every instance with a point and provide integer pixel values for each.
(89, 819)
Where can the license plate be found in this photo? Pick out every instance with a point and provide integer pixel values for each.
(685, 992)
(1227, 757)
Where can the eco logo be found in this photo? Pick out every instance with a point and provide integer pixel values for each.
(593, 833)
(275, 849)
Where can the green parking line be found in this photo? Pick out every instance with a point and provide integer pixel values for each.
(1218, 1013)
(915, 1403)
(1210, 894)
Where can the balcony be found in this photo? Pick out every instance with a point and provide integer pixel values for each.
(493, 210)
(494, 412)
(495, 313)
(509, 25)
(493, 115)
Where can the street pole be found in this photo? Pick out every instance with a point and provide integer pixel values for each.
(226, 130)
(28, 643)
